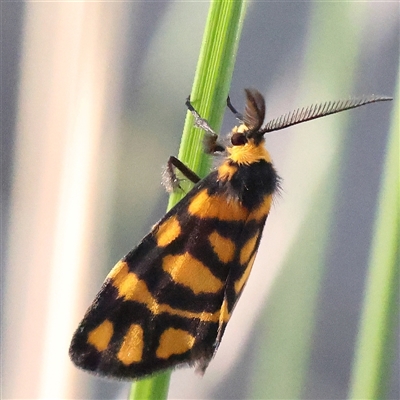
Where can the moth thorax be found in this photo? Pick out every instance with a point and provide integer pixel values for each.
(249, 153)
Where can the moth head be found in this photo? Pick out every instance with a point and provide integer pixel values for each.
(252, 120)
(239, 135)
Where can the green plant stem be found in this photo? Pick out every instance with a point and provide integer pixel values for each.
(209, 93)
(154, 388)
(211, 83)
(376, 341)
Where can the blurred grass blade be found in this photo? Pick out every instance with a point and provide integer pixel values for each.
(281, 362)
(376, 341)
(209, 93)
(281, 368)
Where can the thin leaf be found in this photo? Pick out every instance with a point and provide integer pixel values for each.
(376, 341)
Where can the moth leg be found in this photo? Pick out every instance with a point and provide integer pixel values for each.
(211, 144)
(235, 112)
(198, 121)
(170, 180)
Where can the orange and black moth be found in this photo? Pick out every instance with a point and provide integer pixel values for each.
(168, 301)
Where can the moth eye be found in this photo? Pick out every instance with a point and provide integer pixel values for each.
(238, 139)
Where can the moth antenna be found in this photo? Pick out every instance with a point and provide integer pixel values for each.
(319, 110)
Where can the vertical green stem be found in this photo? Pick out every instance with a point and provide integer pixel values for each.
(282, 363)
(209, 92)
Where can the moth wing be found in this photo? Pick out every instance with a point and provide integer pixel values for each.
(167, 302)
(160, 305)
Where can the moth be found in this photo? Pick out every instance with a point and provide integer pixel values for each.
(168, 301)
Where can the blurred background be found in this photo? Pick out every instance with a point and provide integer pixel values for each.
(92, 107)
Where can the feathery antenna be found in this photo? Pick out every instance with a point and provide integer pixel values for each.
(319, 110)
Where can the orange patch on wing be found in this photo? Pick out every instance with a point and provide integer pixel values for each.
(203, 316)
(243, 279)
(192, 273)
(248, 248)
(263, 210)
(131, 350)
(134, 289)
(168, 231)
(224, 314)
(204, 205)
(100, 337)
(174, 341)
(223, 247)
(119, 271)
